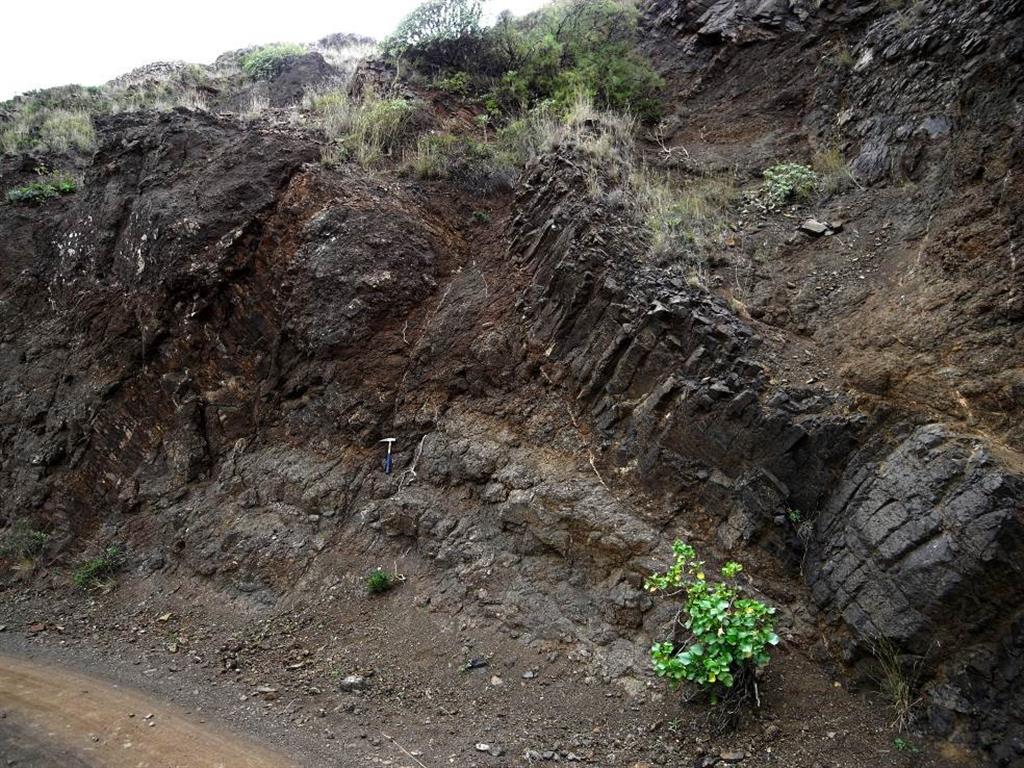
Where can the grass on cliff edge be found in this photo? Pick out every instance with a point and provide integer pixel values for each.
(53, 131)
(367, 130)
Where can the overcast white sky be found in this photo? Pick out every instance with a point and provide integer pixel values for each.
(54, 42)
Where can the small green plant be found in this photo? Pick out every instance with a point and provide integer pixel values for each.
(729, 634)
(902, 745)
(50, 184)
(794, 516)
(22, 542)
(481, 217)
(265, 62)
(96, 571)
(379, 581)
(786, 182)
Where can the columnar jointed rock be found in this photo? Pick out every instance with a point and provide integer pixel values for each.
(923, 546)
(665, 369)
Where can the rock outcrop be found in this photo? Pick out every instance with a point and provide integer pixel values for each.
(919, 546)
(202, 350)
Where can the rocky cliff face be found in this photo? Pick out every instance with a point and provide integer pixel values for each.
(201, 350)
(919, 539)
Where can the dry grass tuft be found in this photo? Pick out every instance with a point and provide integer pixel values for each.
(684, 222)
(898, 681)
(367, 130)
(833, 171)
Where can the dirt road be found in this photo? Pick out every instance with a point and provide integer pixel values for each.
(49, 716)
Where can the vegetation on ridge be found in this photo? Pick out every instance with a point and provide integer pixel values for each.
(547, 57)
(266, 61)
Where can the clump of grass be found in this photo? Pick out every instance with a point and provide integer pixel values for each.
(842, 55)
(898, 681)
(15, 138)
(369, 130)
(833, 171)
(265, 62)
(96, 571)
(468, 163)
(457, 83)
(22, 542)
(50, 184)
(379, 581)
(432, 157)
(63, 130)
(330, 106)
(603, 136)
(41, 129)
(258, 104)
(684, 222)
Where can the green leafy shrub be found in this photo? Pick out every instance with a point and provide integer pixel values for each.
(550, 56)
(729, 634)
(785, 182)
(22, 541)
(379, 581)
(577, 46)
(50, 184)
(265, 62)
(458, 83)
(97, 570)
(440, 34)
